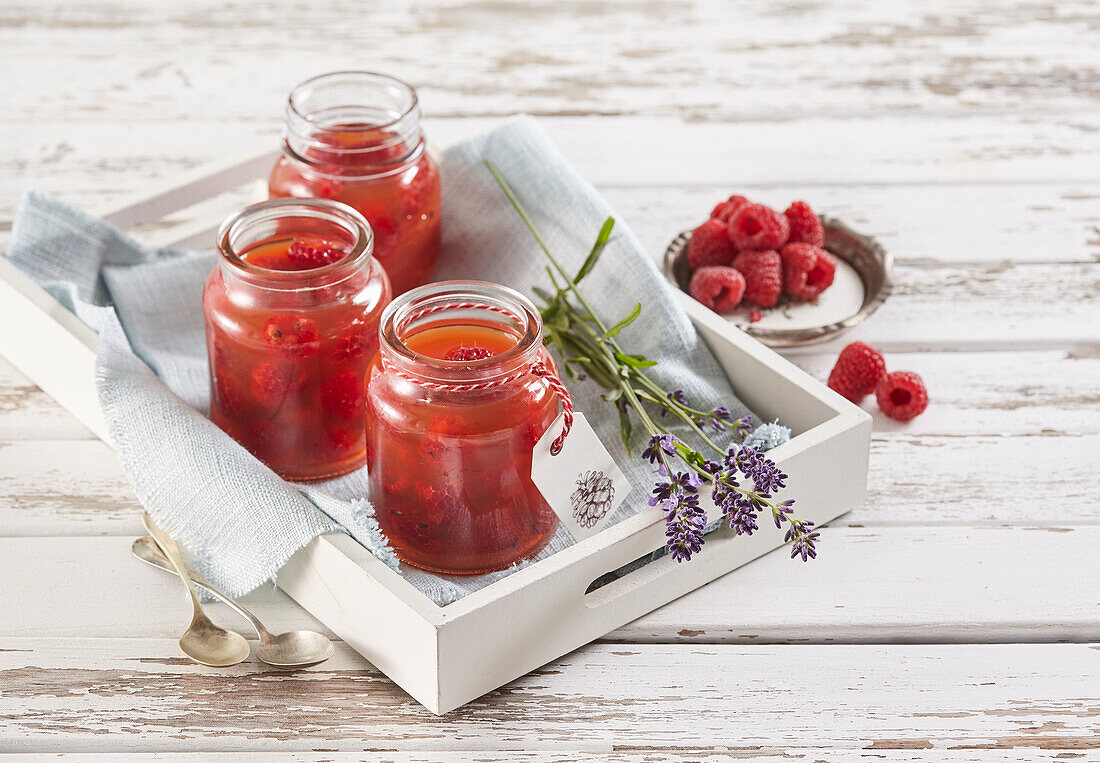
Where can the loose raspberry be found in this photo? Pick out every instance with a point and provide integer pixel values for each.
(719, 288)
(901, 395)
(469, 353)
(269, 385)
(709, 245)
(306, 256)
(806, 227)
(724, 210)
(755, 226)
(342, 394)
(291, 335)
(807, 270)
(755, 316)
(858, 369)
(763, 272)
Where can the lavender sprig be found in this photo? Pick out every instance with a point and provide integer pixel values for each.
(590, 349)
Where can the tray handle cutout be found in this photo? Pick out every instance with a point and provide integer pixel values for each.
(629, 577)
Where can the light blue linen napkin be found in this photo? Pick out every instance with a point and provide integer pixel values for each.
(239, 521)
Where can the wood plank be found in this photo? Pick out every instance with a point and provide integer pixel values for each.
(717, 755)
(54, 488)
(1019, 222)
(986, 307)
(86, 164)
(128, 694)
(869, 585)
(988, 393)
(678, 58)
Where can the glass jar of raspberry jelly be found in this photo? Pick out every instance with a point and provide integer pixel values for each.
(457, 397)
(292, 311)
(355, 137)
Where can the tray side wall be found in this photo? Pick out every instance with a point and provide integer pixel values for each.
(53, 348)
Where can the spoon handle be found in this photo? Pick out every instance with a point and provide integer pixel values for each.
(147, 550)
(170, 550)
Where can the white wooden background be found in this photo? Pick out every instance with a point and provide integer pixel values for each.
(954, 616)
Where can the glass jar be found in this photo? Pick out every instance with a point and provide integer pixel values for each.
(292, 311)
(355, 137)
(455, 405)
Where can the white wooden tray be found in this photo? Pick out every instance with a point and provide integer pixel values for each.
(447, 656)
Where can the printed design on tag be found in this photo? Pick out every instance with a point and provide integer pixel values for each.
(582, 484)
(593, 498)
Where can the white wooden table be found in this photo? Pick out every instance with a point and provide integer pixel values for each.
(954, 616)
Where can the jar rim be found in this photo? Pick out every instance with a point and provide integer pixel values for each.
(436, 298)
(359, 257)
(402, 126)
(360, 74)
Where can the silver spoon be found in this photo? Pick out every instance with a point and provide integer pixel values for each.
(297, 649)
(203, 641)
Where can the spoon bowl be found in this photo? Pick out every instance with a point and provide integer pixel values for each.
(295, 649)
(207, 644)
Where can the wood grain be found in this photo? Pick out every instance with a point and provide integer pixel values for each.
(704, 61)
(602, 697)
(918, 753)
(805, 153)
(869, 585)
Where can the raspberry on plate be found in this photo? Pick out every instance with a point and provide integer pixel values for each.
(724, 210)
(709, 245)
(807, 270)
(858, 369)
(806, 227)
(901, 395)
(755, 226)
(763, 275)
(718, 287)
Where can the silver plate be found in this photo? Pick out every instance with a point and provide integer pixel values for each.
(868, 258)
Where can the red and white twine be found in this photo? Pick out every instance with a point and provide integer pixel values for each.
(536, 368)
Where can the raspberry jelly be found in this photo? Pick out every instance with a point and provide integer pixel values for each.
(454, 409)
(355, 137)
(292, 311)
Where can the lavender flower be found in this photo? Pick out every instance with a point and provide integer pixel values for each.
(719, 418)
(741, 427)
(804, 537)
(782, 512)
(676, 396)
(659, 444)
(681, 483)
(684, 527)
(740, 513)
(765, 475)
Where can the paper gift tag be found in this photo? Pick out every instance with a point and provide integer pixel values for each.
(582, 483)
